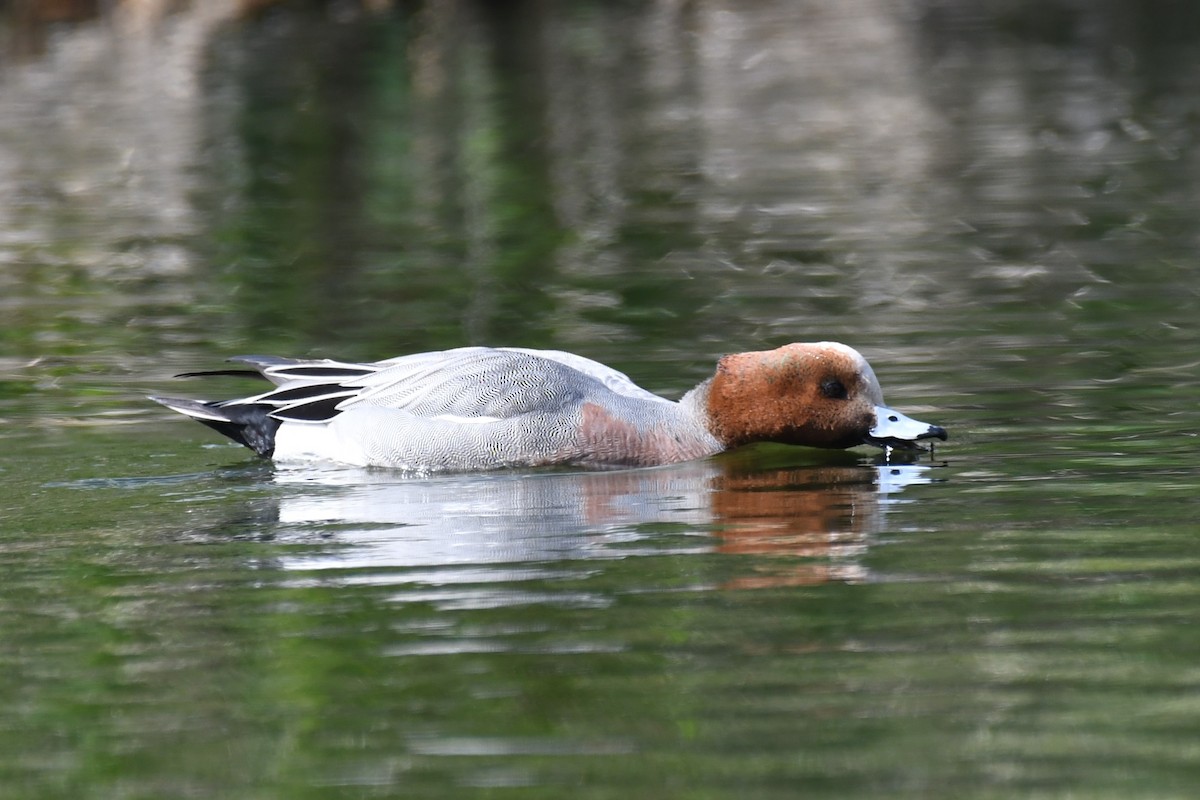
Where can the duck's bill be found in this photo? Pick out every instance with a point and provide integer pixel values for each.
(893, 429)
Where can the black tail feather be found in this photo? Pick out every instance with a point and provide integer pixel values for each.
(249, 425)
(212, 373)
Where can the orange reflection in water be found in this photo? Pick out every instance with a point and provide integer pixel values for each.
(817, 520)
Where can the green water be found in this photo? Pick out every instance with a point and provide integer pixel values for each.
(995, 206)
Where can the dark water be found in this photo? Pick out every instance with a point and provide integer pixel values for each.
(995, 204)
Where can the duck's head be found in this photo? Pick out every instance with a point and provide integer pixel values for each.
(819, 394)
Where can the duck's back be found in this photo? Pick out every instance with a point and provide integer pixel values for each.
(474, 408)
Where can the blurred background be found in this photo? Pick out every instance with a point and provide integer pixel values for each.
(376, 177)
(994, 200)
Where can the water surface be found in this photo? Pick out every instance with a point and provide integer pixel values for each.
(993, 205)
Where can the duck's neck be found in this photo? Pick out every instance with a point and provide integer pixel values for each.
(694, 405)
(699, 403)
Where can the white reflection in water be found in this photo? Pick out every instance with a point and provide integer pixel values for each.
(448, 530)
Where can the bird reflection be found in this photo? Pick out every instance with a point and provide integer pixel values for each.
(793, 525)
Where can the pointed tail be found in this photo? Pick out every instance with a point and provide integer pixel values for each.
(250, 425)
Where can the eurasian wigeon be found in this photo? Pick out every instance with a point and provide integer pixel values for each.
(476, 408)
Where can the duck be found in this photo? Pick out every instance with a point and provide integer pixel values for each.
(482, 408)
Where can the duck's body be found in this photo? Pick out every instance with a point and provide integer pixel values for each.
(478, 408)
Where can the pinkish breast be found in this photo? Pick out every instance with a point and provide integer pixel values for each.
(608, 439)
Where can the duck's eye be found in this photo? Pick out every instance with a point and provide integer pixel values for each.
(833, 389)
